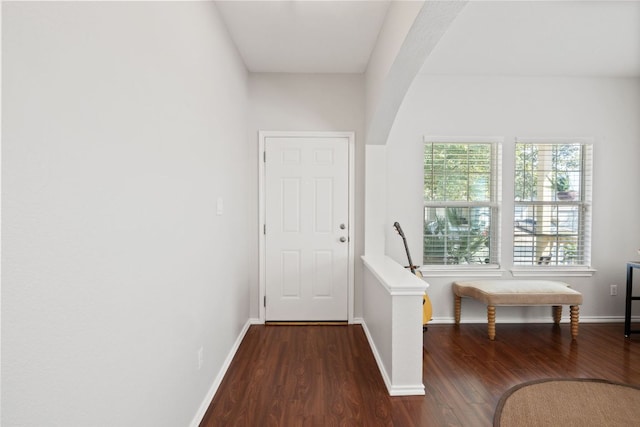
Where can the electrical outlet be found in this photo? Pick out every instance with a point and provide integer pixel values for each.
(613, 290)
(200, 357)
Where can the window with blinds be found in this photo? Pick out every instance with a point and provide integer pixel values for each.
(552, 218)
(461, 201)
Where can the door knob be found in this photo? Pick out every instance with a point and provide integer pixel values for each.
(343, 239)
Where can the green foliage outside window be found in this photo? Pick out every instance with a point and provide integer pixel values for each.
(562, 170)
(457, 172)
(458, 175)
(451, 238)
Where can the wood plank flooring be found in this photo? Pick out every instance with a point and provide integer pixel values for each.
(327, 375)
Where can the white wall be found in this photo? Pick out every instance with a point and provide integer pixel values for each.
(410, 32)
(397, 24)
(606, 109)
(310, 102)
(123, 123)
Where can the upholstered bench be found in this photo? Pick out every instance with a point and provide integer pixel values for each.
(519, 293)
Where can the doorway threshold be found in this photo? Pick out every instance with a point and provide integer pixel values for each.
(307, 323)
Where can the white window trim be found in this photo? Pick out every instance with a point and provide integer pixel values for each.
(545, 271)
(476, 270)
(554, 140)
(463, 139)
(485, 270)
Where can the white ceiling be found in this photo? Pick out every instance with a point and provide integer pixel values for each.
(572, 38)
(575, 38)
(304, 36)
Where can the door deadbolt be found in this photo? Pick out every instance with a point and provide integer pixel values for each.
(342, 227)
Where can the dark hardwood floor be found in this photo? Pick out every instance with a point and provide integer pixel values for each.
(327, 375)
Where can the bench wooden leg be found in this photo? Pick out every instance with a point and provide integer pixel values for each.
(491, 319)
(557, 314)
(457, 308)
(575, 316)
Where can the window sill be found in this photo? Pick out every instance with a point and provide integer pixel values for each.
(461, 271)
(552, 271)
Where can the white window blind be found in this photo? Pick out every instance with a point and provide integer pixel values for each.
(552, 218)
(461, 201)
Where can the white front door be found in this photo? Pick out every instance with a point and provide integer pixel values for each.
(306, 228)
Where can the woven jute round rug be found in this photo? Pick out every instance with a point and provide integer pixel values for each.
(569, 402)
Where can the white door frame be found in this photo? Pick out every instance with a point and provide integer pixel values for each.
(262, 135)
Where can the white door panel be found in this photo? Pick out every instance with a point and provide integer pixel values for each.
(306, 202)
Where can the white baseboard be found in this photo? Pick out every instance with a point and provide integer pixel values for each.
(197, 419)
(394, 390)
(376, 355)
(399, 390)
(546, 319)
(604, 319)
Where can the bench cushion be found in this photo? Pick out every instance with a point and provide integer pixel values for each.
(518, 292)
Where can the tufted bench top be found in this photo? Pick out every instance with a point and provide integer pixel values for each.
(518, 292)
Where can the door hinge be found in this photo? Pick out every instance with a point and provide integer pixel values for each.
(264, 229)
(265, 301)
(264, 156)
